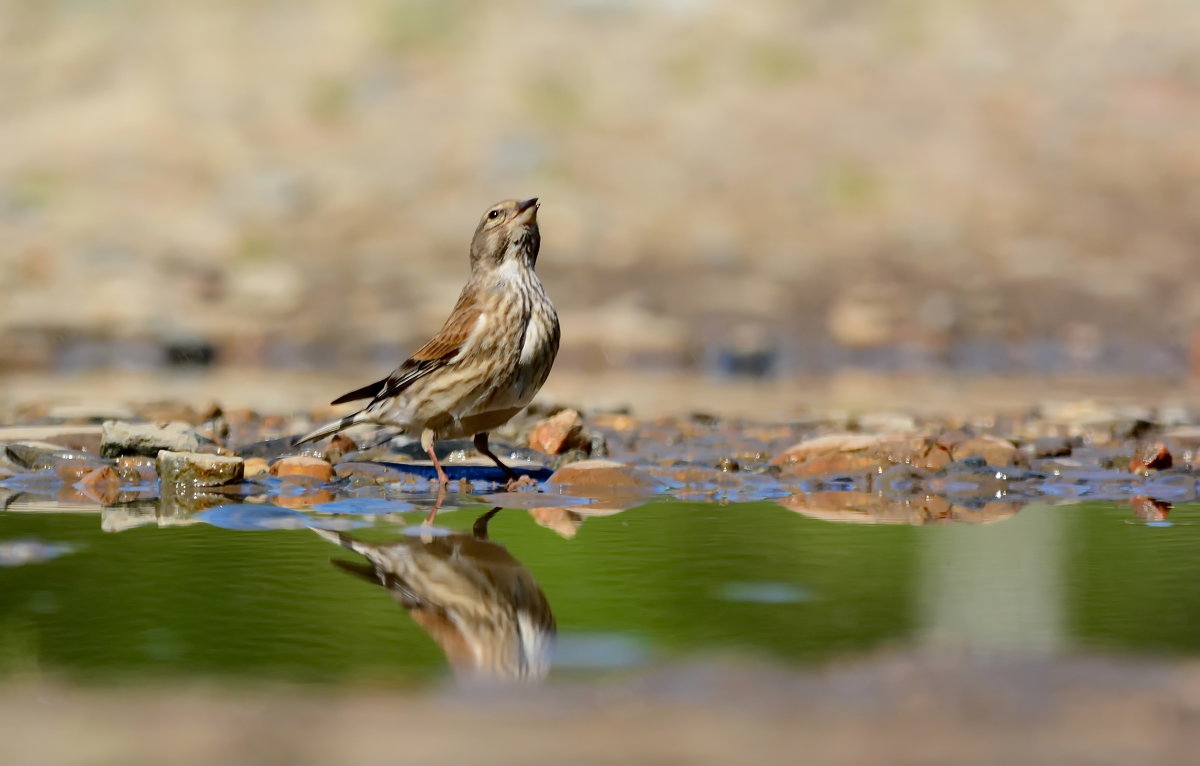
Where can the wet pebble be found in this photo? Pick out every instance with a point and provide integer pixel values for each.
(196, 469)
(35, 455)
(604, 475)
(1150, 457)
(340, 445)
(302, 465)
(102, 485)
(993, 450)
(255, 466)
(1051, 446)
(559, 433)
(137, 469)
(71, 471)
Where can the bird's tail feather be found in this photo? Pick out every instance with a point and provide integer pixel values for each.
(329, 429)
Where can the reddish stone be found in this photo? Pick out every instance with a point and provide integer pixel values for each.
(1150, 457)
(71, 471)
(858, 453)
(102, 485)
(996, 451)
(604, 475)
(557, 434)
(302, 465)
(339, 445)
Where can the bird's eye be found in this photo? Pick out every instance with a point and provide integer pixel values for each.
(494, 214)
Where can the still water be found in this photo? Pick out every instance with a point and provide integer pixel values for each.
(666, 580)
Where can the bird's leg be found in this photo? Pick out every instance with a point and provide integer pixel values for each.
(481, 444)
(479, 529)
(437, 504)
(427, 439)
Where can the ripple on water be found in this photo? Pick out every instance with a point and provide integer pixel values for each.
(530, 500)
(764, 593)
(254, 517)
(599, 651)
(363, 506)
(15, 553)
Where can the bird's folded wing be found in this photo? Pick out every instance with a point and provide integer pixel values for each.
(441, 349)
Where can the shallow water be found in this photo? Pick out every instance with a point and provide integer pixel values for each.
(664, 580)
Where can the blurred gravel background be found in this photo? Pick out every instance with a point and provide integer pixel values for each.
(758, 187)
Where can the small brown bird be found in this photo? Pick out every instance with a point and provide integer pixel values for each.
(469, 594)
(490, 357)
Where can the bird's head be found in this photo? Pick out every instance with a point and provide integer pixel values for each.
(508, 230)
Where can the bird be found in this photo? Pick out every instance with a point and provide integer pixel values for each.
(480, 604)
(491, 356)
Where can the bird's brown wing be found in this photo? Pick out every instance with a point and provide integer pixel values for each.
(435, 354)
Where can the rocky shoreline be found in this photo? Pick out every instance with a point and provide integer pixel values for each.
(166, 462)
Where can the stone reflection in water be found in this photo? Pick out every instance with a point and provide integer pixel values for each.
(999, 588)
(471, 596)
(871, 508)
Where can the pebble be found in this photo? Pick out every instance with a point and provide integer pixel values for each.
(728, 465)
(1150, 457)
(179, 470)
(850, 454)
(82, 438)
(35, 455)
(71, 471)
(102, 485)
(561, 432)
(255, 466)
(121, 438)
(341, 444)
(368, 471)
(995, 451)
(604, 474)
(302, 465)
(137, 469)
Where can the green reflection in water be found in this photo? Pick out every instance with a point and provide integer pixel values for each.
(201, 601)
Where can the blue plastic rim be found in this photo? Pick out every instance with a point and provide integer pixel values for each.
(469, 472)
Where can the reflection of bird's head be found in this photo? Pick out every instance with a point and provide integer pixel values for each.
(508, 230)
(470, 595)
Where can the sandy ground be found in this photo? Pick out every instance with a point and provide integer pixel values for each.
(894, 709)
(646, 395)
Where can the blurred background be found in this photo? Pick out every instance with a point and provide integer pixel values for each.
(758, 188)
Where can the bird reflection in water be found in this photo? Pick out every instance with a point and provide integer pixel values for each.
(480, 604)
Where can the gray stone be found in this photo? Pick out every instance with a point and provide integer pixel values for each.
(184, 470)
(121, 438)
(37, 455)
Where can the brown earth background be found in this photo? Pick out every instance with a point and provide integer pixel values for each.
(981, 186)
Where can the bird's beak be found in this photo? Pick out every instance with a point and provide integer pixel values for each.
(527, 211)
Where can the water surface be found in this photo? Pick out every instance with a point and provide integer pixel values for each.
(665, 580)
